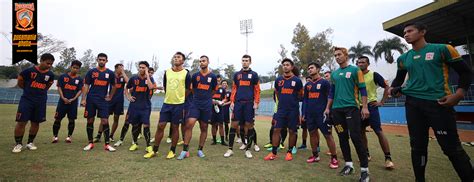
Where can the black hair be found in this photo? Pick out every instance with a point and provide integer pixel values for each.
(309, 77)
(118, 64)
(204, 56)
(288, 60)
(77, 63)
(328, 72)
(180, 53)
(144, 62)
(222, 81)
(102, 55)
(247, 56)
(317, 65)
(363, 57)
(151, 69)
(418, 25)
(47, 56)
(218, 76)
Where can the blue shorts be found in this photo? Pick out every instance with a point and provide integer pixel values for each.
(63, 109)
(200, 114)
(373, 120)
(286, 119)
(244, 112)
(31, 111)
(217, 117)
(316, 121)
(95, 106)
(116, 107)
(173, 113)
(139, 116)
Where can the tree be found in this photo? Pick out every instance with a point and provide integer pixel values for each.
(67, 56)
(386, 46)
(154, 63)
(195, 66)
(88, 62)
(359, 50)
(278, 69)
(48, 44)
(8, 72)
(229, 71)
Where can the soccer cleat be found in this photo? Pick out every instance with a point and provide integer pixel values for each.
(168, 140)
(248, 154)
(149, 155)
(243, 146)
(302, 147)
(334, 164)
(389, 164)
(268, 145)
(17, 148)
(152, 140)
(239, 140)
(224, 144)
(149, 149)
(55, 140)
(180, 142)
(31, 146)
(109, 148)
(68, 140)
(256, 148)
(270, 157)
(282, 146)
(201, 154)
(313, 159)
(364, 177)
(89, 146)
(294, 150)
(133, 147)
(118, 143)
(289, 156)
(170, 155)
(111, 139)
(229, 153)
(182, 155)
(96, 140)
(347, 170)
(140, 136)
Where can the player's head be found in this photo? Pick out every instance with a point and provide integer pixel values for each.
(246, 61)
(287, 65)
(75, 66)
(178, 59)
(224, 84)
(219, 79)
(341, 55)
(143, 67)
(308, 79)
(363, 62)
(203, 62)
(46, 61)
(118, 68)
(151, 71)
(313, 68)
(413, 32)
(102, 60)
(327, 75)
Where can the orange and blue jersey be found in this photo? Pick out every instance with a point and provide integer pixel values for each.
(70, 85)
(119, 85)
(139, 89)
(347, 82)
(246, 87)
(36, 83)
(203, 86)
(99, 81)
(220, 94)
(316, 94)
(289, 91)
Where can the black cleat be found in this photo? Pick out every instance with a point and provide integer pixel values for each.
(364, 177)
(347, 170)
(223, 143)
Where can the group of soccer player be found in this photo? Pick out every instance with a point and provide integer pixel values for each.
(345, 99)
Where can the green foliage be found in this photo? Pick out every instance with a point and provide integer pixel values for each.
(359, 50)
(65, 59)
(386, 46)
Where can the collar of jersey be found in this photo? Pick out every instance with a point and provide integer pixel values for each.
(98, 68)
(37, 68)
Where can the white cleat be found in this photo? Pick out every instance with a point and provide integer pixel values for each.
(31, 146)
(229, 153)
(239, 140)
(168, 140)
(152, 140)
(118, 143)
(109, 148)
(248, 154)
(17, 148)
(256, 148)
(243, 146)
(89, 147)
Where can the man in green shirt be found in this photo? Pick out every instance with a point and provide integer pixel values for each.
(347, 82)
(429, 99)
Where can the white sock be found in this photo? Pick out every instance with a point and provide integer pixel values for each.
(350, 164)
(364, 169)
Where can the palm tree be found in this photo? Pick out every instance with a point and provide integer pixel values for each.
(386, 46)
(359, 50)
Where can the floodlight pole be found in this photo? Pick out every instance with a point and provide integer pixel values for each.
(246, 28)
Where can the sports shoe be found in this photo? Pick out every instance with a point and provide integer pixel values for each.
(133, 147)
(140, 136)
(118, 143)
(243, 146)
(149, 155)
(96, 140)
(182, 155)
(223, 143)
(109, 148)
(111, 139)
(281, 146)
(364, 177)
(313, 159)
(289, 156)
(180, 142)
(68, 140)
(55, 140)
(334, 164)
(302, 147)
(17, 148)
(256, 148)
(248, 154)
(294, 150)
(201, 154)
(89, 146)
(239, 140)
(170, 155)
(270, 157)
(389, 164)
(31, 146)
(369, 158)
(168, 140)
(152, 140)
(347, 170)
(149, 149)
(268, 145)
(229, 153)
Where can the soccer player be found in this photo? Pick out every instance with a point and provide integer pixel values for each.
(303, 124)
(176, 83)
(244, 99)
(226, 108)
(138, 93)
(372, 79)
(96, 97)
(204, 85)
(284, 131)
(429, 100)
(217, 118)
(327, 75)
(69, 88)
(289, 91)
(347, 82)
(35, 82)
(315, 100)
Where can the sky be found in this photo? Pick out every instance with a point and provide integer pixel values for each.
(137, 30)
